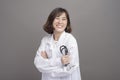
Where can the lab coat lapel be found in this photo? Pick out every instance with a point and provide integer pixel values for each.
(62, 38)
(60, 42)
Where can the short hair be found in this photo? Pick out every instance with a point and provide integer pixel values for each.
(48, 26)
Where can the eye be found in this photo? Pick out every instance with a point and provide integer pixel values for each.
(57, 18)
(64, 19)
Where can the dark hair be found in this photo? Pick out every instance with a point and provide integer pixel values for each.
(48, 26)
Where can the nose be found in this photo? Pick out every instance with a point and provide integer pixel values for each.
(60, 21)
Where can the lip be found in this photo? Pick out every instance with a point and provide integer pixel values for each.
(59, 26)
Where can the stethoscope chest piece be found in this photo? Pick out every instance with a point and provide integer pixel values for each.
(63, 50)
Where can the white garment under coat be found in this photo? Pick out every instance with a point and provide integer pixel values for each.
(52, 68)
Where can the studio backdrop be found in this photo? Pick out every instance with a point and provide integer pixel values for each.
(95, 24)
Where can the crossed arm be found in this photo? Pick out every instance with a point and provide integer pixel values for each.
(65, 59)
(53, 65)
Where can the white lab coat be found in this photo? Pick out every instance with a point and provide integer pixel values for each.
(52, 68)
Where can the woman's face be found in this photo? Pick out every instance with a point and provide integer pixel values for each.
(60, 23)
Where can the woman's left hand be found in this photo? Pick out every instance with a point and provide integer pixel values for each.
(65, 59)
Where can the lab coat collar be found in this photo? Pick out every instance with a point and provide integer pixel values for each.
(61, 38)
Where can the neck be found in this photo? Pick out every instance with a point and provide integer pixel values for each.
(56, 36)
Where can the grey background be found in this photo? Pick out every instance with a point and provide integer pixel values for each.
(95, 24)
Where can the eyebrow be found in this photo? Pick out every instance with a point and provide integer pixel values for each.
(62, 17)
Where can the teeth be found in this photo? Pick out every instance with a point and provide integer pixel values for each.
(59, 26)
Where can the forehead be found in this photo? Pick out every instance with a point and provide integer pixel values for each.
(63, 14)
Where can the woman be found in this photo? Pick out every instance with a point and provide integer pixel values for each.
(57, 57)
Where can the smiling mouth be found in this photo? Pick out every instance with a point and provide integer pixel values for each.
(59, 26)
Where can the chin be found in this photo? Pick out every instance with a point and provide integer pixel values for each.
(59, 31)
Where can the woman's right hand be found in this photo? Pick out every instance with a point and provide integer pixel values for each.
(44, 54)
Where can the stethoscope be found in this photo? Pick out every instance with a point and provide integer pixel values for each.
(64, 51)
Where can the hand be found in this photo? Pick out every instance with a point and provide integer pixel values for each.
(65, 59)
(44, 54)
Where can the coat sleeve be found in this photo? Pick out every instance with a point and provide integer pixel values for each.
(54, 65)
(45, 65)
(73, 51)
(74, 63)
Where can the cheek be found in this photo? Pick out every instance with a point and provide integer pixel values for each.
(65, 23)
(53, 23)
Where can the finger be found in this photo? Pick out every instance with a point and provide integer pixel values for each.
(45, 52)
(41, 52)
